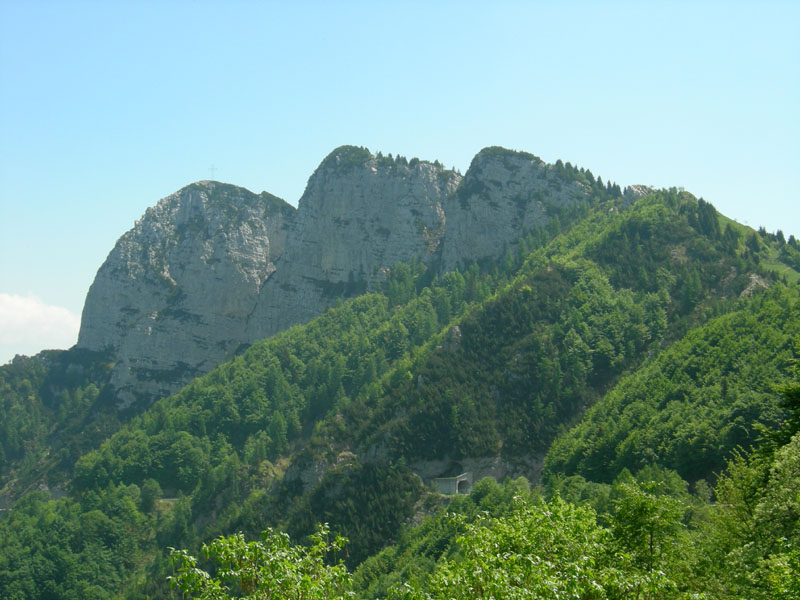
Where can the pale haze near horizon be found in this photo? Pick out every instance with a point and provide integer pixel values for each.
(105, 108)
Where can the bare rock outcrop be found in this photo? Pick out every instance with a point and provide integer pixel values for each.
(172, 298)
(215, 267)
(504, 194)
(360, 214)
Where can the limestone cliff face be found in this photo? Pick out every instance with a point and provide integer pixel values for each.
(504, 194)
(360, 214)
(214, 267)
(172, 298)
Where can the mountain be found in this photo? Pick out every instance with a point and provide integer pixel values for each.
(620, 352)
(214, 268)
(172, 298)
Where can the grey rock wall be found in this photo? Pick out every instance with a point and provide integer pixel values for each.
(359, 215)
(172, 298)
(504, 194)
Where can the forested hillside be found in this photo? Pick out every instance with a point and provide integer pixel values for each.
(53, 408)
(639, 536)
(633, 353)
(693, 405)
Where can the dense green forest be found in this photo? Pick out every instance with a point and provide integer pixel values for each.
(642, 536)
(699, 400)
(642, 358)
(53, 408)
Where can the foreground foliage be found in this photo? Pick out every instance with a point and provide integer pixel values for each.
(545, 550)
(270, 568)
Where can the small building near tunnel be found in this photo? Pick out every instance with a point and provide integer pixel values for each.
(460, 484)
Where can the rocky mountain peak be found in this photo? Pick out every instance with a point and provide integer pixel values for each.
(214, 266)
(359, 215)
(350, 167)
(344, 158)
(172, 297)
(503, 195)
(504, 155)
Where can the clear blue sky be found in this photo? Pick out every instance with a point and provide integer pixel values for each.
(106, 107)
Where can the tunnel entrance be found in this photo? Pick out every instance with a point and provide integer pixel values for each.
(460, 484)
